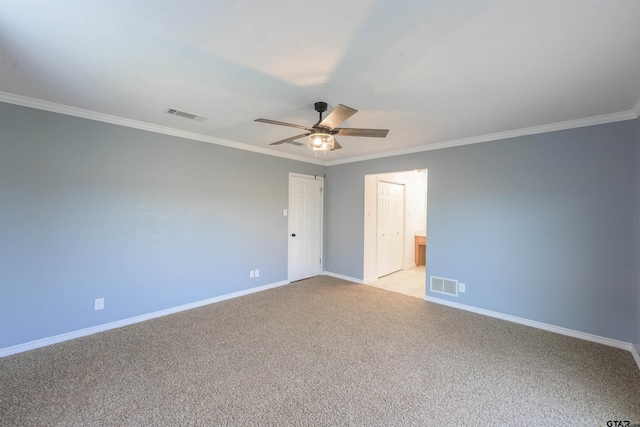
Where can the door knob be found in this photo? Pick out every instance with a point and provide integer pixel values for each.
(293, 234)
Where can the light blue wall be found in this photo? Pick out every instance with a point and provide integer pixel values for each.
(636, 340)
(538, 227)
(147, 221)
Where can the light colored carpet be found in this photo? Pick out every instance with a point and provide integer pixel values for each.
(321, 352)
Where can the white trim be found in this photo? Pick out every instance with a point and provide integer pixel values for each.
(534, 324)
(343, 277)
(635, 355)
(135, 124)
(369, 280)
(91, 115)
(635, 111)
(7, 351)
(570, 124)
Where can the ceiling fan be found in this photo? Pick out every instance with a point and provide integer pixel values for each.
(321, 135)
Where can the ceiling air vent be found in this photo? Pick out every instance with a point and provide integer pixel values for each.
(444, 286)
(186, 115)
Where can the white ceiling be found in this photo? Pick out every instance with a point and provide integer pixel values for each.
(435, 73)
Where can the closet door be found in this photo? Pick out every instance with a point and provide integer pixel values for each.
(390, 241)
(397, 228)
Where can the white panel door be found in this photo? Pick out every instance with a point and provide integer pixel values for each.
(305, 226)
(384, 228)
(390, 241)
(396, 223)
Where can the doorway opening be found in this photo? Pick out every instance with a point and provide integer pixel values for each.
(395, 236)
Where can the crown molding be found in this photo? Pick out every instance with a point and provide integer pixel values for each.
(24, 101)
(39, 104)
(570, 124)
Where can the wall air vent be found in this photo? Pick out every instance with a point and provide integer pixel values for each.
(444, 286)
(186, 115)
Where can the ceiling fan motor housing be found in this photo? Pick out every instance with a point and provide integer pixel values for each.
(321, 107)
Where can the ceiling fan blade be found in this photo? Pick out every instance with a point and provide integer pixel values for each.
(337, 116)
(375, 133)
(336, 145)
(274, 122)
(293, 138)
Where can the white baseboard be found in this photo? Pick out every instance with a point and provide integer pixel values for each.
(43, 342)
(535, 324)
(636, 356)
(340, 276)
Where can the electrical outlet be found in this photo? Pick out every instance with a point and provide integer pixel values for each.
(462, 287)
(98, 304)
(251, 274)
(257, 273)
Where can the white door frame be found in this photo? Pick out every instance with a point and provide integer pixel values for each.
(289, 226)
(370, 219)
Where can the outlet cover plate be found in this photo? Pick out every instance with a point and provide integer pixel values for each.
(98, 304)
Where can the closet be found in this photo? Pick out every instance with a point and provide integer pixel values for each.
(390, 228)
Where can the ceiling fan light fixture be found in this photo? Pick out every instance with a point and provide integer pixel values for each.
(320, 135)
(320, 142)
